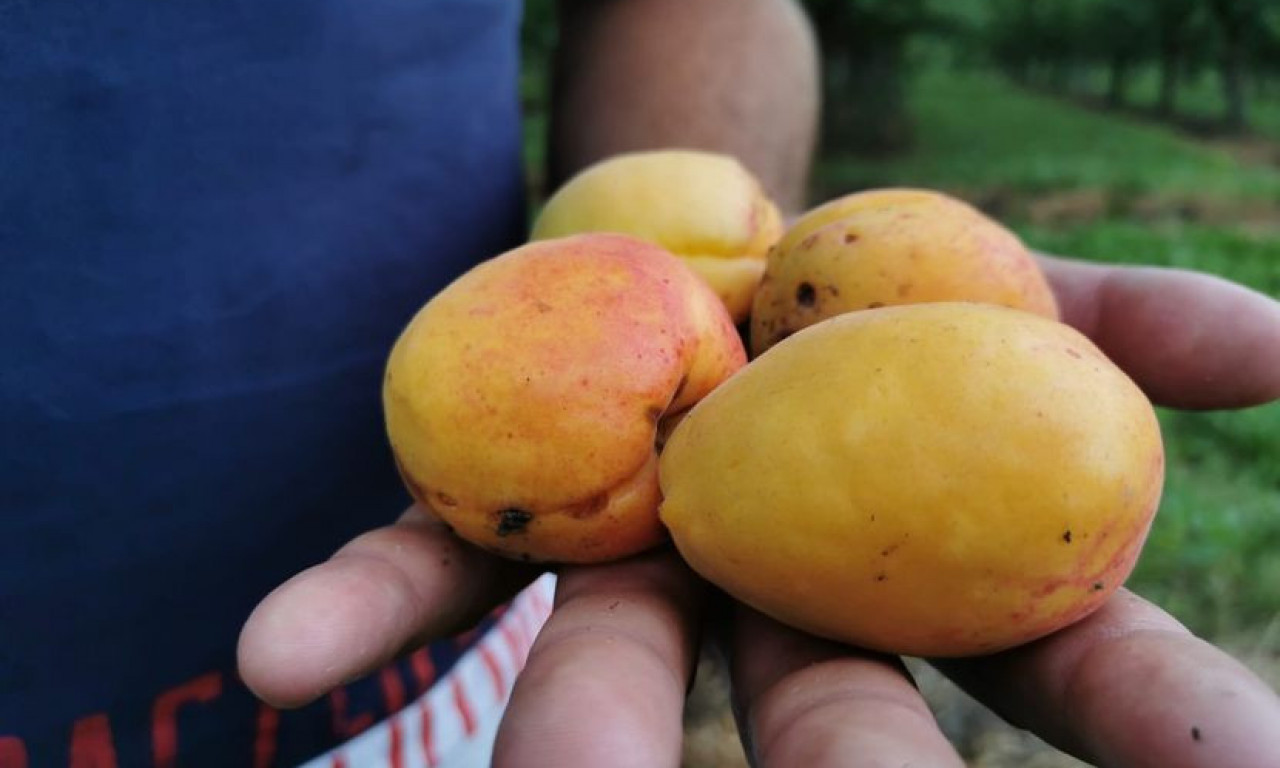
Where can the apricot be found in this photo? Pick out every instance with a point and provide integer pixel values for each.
(704, 207)
(935, 480)
(524, 401)
(888, 247)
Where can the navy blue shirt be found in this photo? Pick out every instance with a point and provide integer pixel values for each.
(215, 217)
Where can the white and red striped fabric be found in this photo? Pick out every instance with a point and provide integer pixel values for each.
(453, 724)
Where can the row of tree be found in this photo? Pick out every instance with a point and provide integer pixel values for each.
(1051, 43)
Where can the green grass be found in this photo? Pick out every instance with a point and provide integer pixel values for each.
(1211, 556)
(974, 130)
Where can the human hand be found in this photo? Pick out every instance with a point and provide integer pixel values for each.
(606, 679)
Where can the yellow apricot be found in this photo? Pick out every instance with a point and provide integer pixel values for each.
(888, 247)
(935, 480)
(704, 207)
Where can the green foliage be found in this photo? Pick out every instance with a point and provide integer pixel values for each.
(538, 29)
(1200, 99)
(1050, 43)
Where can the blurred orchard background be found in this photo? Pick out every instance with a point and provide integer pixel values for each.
(1142, 131)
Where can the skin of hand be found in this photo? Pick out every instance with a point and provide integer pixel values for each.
(671, 73)
(605, 681)
(606, 678)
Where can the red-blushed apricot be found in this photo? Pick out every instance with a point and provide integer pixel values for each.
(524, 401)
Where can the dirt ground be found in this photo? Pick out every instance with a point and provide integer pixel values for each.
(1081, 206)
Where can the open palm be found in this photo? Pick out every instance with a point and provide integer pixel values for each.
(605, 682)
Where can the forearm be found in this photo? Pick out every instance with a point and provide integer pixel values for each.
(733, 76)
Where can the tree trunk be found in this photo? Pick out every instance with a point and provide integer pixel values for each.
(1235, 19)
(1119, 81)
(1079, 81)
(864, 105)
(1059, 76)
(1169, 61)
(1233, 89)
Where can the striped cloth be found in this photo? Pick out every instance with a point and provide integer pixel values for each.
(453, 724)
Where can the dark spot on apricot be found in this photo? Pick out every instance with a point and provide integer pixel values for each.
(614, 604)
(513, 520)
(850, 237)
(834, 290)
(809, 241)
(1097, 586)
(881, 576)
(1195, 733)
(1066, 536)
(875, 305)
(806, 295)
(542, 306)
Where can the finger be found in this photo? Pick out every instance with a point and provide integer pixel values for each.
(605, 681)
(1129, 686)
(1190, 340)
(803, 702)
(384, 592)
